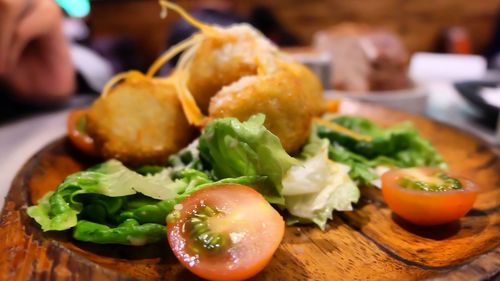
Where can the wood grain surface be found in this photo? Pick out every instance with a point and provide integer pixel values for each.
(369, 243)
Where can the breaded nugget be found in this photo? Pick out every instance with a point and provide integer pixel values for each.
(280, 96)
(139, 122)
(219, 61)
(311, 84)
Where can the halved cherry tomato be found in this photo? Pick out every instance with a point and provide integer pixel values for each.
(427, 207)
(77, 134)
(225, 232)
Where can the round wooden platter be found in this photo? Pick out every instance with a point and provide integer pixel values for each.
(369, 243)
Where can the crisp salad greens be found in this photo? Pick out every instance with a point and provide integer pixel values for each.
(246, 149)
(316, 187)
(111, 203)
(397, 146)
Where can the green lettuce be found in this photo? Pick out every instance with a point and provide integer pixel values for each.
(234, 149)
(53, 212)
(129, 232)
(397, 146)
(110, 203)
(58, 210)
(316, 187)
(113, 179)
(187, 158)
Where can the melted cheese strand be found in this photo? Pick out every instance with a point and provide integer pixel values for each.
(132, 74)
(205, 28)
(169, 54)
(189, 46)
(170, 79)
(343, 130)
(191, 109)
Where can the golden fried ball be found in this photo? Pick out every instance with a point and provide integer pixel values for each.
(139, 122)
(280, 96)
(312, 86)
(222, 60)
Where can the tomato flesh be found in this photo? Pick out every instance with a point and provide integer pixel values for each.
(251, 227)
(427, 207)
(76, 132)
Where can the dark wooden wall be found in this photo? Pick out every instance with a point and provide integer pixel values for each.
(419, 22)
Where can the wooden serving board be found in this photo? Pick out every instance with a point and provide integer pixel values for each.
(369, 243)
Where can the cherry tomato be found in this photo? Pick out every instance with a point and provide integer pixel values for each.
(225, 232)
(77, 134)
(427, 207)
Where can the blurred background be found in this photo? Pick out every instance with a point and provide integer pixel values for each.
(421, 25)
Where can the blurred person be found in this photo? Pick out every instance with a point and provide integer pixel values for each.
(35, 62)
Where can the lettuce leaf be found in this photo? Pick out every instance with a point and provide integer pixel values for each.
(316, 187)
(54, 213)
(110, 194)
(129, 232)
(187, 158)
(58, 210)
(113, 179)
(235, 149)
(397, 146)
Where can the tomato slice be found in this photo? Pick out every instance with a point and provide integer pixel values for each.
(225, 232)
(427, 207)
(77, 132)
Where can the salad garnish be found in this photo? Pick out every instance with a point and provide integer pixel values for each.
(225, 232)
(427, 195)
(364, 146)
(309, 186)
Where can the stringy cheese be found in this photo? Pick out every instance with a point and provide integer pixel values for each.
(129, 76)
(170, 53)
(343, 130)
(191, 109)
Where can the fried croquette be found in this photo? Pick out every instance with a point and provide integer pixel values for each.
(236, 52)
(280, 96)
(311, 84)
(139, 122)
